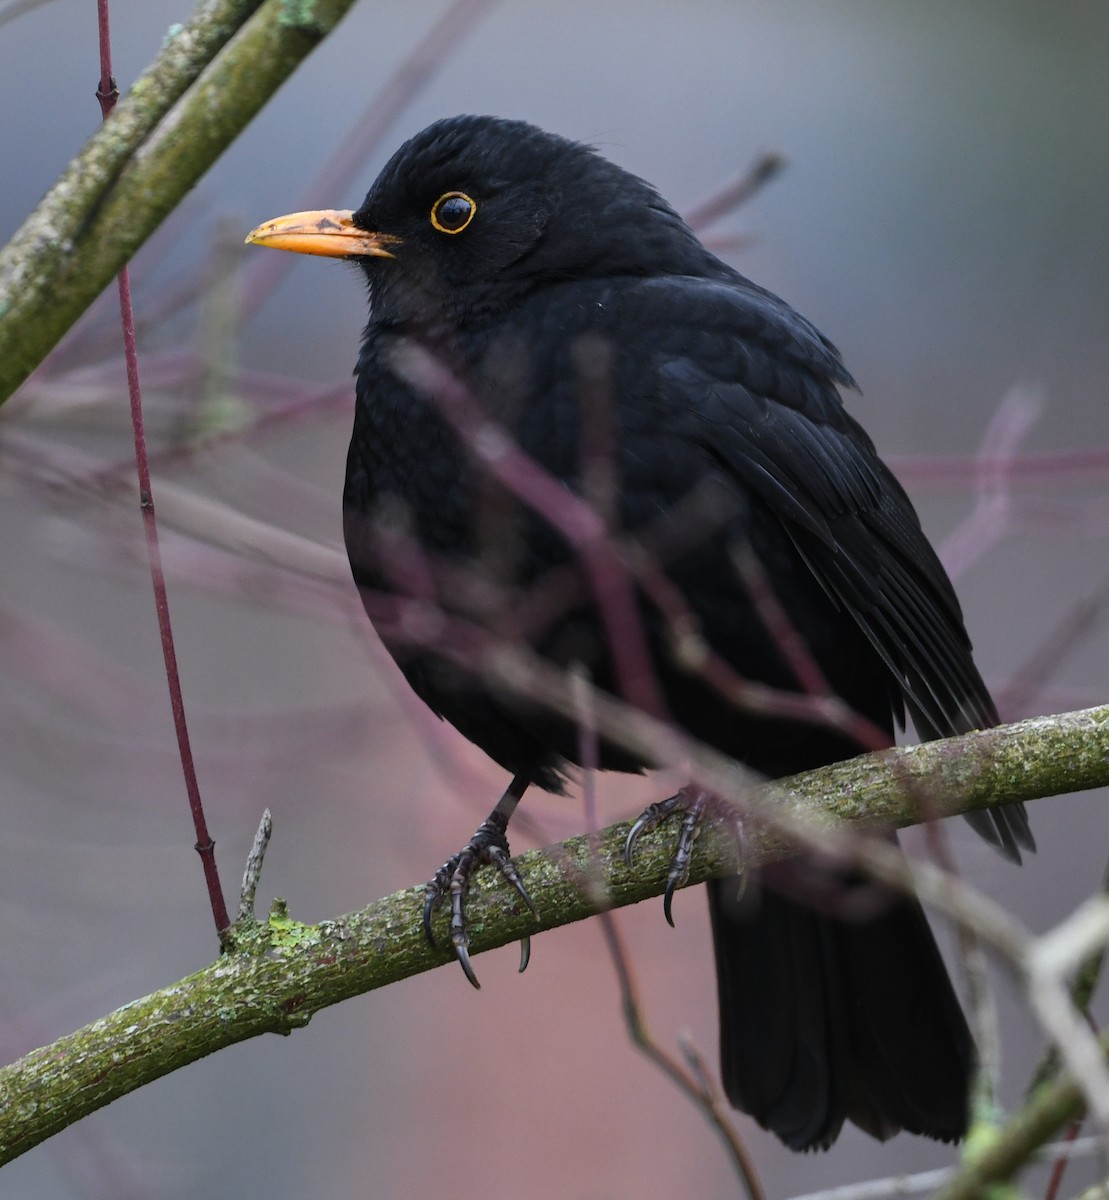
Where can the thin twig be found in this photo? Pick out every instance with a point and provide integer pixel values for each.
(1019, 1139)
(252, 872)
(695, 1084)
(731, 194)
(1054, 467)
(205, 846)
(1045, 659)
(926, 1181)
(988, 522)
(16, 8)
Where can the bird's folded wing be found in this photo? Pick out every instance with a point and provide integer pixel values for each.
(770, 415)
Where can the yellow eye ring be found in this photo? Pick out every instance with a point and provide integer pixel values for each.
(452, 212)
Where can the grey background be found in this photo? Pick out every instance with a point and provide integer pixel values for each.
(943, 219)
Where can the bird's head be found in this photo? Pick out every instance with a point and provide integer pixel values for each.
(474, 212)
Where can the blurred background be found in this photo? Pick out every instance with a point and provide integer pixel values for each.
(942, 218)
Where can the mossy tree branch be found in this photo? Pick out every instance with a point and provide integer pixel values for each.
(209, 81)
(280, 972)
(997, 1153)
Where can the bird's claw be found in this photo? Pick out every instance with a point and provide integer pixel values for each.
(694, 804)
(488, 845)
(683, 853)
(647, 820)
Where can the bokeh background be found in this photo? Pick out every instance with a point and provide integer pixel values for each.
(942, 218)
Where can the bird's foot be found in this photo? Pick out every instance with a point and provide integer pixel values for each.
(695, 804)
(488, 845)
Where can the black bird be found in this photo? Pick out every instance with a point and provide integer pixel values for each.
(520, 282)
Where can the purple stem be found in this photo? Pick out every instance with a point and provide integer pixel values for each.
(107, 94)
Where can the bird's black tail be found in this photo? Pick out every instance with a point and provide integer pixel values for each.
(825, 1019)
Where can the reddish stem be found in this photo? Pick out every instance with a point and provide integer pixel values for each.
(107, 93)
(1053, 467)
(731, 194)
(1059, 1168)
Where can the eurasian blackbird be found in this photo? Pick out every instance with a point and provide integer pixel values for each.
(579, 432)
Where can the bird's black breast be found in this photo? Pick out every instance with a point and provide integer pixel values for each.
(703, 418)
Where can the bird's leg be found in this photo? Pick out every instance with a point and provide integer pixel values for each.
(488, 845)
(695, 804)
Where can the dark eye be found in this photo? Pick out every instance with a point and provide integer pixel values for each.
(452, 212)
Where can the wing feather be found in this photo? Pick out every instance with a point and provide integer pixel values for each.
(775, 422)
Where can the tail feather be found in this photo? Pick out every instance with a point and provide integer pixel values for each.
(825, 1019)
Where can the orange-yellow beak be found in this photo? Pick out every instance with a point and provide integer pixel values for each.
(328, 232)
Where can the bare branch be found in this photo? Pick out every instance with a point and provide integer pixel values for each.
(926, 1181)
(203, 89)
(279, 973)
